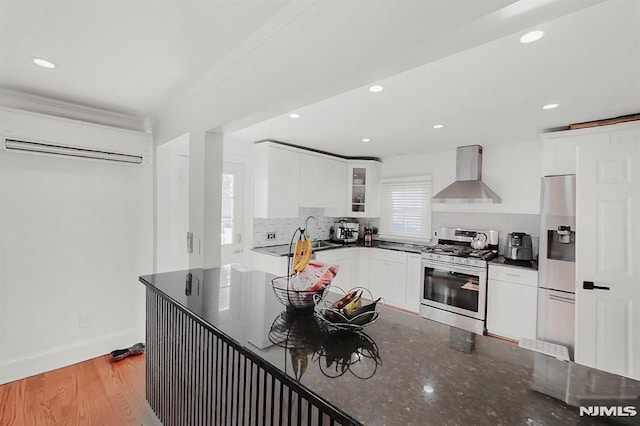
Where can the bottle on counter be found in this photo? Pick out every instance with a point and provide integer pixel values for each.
(368, 237)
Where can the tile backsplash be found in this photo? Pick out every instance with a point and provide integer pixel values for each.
(319, 229)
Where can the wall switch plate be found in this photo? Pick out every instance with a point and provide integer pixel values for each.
(189, 242)
(271, 235)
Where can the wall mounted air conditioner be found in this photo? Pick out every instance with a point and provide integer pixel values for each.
(69, 151)
(35, 133)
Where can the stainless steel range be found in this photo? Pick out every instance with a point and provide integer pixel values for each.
(454, 277)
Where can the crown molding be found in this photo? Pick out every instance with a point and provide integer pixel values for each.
(62, 109)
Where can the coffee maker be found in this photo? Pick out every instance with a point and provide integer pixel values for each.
(345, 232)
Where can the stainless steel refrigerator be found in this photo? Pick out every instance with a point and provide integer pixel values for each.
(556, 268)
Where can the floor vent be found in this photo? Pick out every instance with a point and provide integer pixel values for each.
(551, 349)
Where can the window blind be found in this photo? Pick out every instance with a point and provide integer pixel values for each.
(405, 208)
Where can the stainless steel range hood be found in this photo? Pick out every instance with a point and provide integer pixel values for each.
(468, 187)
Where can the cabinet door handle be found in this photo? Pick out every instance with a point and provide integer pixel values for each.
(589, 285)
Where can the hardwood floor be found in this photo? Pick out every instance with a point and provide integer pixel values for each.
(94, 392)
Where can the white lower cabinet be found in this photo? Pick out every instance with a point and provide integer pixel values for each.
(388, 276)
(347, 260)
(512, 297)
(414, 269)
(364, 263)
(276, 265)
(392, 275)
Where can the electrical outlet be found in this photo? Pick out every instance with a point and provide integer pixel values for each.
(271, 235)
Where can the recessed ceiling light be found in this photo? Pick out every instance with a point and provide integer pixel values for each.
(531, 36)
(366, 140)
(438, 126)
(294, 115)
(43, 63)
(550, 106)
(376, 88)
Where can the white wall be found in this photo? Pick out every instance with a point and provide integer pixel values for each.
(74, 237)
(511, 170)
(172, 205)
(205, 194)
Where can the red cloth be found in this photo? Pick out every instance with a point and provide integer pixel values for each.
(315, 276)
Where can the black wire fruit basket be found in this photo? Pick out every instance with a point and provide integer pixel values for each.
(295, 299)
(287, 287)
(360, 318)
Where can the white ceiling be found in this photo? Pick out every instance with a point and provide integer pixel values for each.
(588, 62)
(129, 56)
(229, 64)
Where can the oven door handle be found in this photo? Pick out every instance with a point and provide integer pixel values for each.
(453, 267)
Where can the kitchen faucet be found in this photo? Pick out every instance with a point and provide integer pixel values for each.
(306, 224)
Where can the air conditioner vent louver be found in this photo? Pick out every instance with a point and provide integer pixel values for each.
(53, 149)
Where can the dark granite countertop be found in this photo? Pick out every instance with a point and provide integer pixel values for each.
(502, 261)
(402, 370)
(283, 249)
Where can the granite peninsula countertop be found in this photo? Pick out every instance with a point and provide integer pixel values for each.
(402, 370)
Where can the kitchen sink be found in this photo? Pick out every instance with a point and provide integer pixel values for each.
(316, 245)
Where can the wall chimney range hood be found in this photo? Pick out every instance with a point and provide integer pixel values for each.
(468, 187)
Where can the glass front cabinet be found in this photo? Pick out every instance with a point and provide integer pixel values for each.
(364, 177)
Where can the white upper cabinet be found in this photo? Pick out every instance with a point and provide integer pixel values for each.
(363, 185)
(321, 181)
(559, 150)
(339, 208)
(276, 181)
(286, 178)
(558, 156)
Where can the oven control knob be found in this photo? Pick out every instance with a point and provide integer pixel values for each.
(437, 257)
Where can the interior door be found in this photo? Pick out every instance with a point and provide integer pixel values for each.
(231, 237)
(607, 253)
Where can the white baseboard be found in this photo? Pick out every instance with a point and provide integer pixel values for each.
(67, 354)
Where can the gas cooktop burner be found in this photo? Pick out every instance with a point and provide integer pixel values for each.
(461, 251)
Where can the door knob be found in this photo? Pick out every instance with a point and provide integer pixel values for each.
(589, 285)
